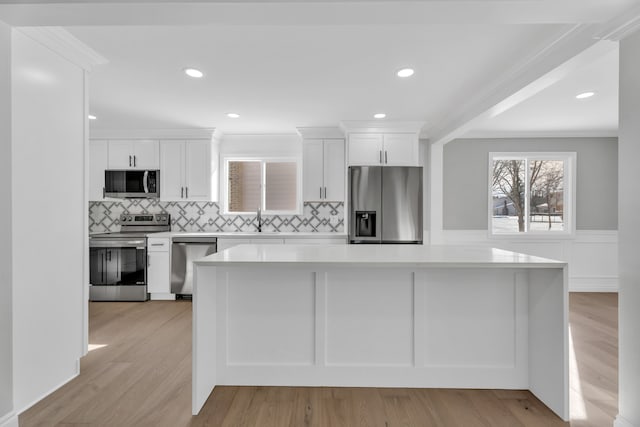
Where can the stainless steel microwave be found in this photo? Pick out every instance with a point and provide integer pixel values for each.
(132, 184)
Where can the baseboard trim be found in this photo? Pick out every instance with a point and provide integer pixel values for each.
(162, 296)
(9, 420)
(42, 396)
(593, 284)
(621, 422)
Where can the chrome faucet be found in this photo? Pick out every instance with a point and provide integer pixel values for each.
(259, 219)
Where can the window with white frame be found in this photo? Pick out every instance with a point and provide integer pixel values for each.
(532, 193)
(269, 184)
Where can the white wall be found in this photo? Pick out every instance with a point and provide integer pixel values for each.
(261, 145)
(6, 340)
(466, 172)
(48, 218)
(629, 227)
(592, 253)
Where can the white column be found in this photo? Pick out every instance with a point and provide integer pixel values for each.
(48, 142)
(629, 233)
(436, 192)
(6, 282)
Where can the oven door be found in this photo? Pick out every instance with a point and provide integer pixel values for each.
(117, 271)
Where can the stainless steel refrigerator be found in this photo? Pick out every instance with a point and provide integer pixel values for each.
(385, 204)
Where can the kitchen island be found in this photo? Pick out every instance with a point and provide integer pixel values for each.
(381, 316)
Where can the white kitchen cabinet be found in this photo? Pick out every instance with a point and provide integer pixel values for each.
(316, 241)
(185, 170)
(266, 239)
(365, 149)
(323, 166)
(387, 149)
(134, 154)
(159, 269)
(98, 157)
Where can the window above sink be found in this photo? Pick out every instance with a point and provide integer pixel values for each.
(271, 184)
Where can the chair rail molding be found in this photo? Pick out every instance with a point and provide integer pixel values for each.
(592, 254)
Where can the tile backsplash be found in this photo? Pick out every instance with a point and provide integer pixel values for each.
(206, 216)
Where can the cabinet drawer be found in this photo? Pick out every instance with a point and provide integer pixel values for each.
(155, 244)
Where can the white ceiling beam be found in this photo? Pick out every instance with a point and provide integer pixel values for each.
(87, 12)
(577, 48)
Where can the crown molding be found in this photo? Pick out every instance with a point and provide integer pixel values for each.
(65, 44)
(320, 132)
(502, 134)
(199, 133)
(621, 26)
(366, 126)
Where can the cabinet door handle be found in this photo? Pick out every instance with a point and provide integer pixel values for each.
(104, 193)
(134, 161)
(380, 156)
(325, 193)
(182, 192)
(321, 192)
(129, 161)
(385, 156)
(186, 192)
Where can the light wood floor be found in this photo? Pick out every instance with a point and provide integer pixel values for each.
(141, 377)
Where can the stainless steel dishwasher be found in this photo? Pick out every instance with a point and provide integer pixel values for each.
(183, 251)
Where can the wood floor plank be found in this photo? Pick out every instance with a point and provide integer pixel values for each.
(143, 378)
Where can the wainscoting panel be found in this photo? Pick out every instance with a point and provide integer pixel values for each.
(592, 254)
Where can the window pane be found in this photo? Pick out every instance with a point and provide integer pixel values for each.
(546, 204)
(244, 186)
(281, 192)
(507, 189)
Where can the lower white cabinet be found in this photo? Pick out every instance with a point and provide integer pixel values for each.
(159, 269)
(317, 241)
(225, 243)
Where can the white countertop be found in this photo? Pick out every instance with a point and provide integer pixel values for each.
(251, 234)
(377, 255)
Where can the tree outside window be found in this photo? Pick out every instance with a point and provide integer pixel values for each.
(530, 193)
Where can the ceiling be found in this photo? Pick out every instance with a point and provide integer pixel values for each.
(282, 65)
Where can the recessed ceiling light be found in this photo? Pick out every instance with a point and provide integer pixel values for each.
(192, 72)
(405, 72)
(584, 95)
(91, 117)
(233, 115)
(380, 115)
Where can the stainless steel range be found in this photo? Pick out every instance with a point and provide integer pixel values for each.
(118, 261)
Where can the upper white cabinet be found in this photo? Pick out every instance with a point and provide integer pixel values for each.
(185, 170)
(365, 149)
(383, 149)
(382, 143)
(98, 157)
(323, 166)
(134, 154)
